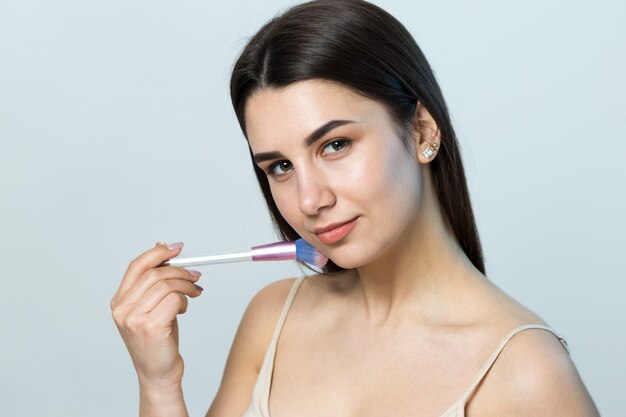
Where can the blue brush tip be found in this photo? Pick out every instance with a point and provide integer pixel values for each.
(307, 253)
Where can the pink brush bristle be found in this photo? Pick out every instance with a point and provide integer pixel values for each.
(307, 253)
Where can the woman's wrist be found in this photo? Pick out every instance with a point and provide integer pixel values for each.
(162, 398)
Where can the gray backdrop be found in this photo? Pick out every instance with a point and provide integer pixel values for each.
(117, 131)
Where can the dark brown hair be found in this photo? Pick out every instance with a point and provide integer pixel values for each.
(362, 47)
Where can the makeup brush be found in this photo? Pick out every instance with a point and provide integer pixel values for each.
(279, 251)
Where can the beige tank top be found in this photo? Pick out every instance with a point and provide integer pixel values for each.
(261, 391)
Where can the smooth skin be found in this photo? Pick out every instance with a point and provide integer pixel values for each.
(404, 330)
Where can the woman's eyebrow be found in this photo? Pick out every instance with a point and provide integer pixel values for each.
(313, 137)
(323, 130)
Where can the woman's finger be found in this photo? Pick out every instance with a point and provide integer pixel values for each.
(165, 312)
(151, 258)
(152, 276)
(160, 290)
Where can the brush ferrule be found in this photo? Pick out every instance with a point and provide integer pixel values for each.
(279, 251)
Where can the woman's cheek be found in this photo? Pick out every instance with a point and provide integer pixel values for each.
(287, 204)
(367, 173)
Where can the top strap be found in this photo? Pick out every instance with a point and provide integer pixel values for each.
(267, 369)
(481, 374)
(285, 311)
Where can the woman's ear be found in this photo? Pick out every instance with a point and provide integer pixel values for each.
(427, 134)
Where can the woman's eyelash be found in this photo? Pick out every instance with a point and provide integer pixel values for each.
(338, 146)
(271, 169)
(343, 142)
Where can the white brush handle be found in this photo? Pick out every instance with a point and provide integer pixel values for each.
(208, 260)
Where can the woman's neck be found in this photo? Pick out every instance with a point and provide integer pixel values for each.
(424, 272)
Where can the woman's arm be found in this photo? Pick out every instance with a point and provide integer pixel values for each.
(248, 350)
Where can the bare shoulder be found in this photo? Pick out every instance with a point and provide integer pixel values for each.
(248, 349)
(534, 375)
(260, 318)
(265, 307)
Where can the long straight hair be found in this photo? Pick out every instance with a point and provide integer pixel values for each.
(360, 46)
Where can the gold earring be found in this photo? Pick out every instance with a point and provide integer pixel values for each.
(428, 152)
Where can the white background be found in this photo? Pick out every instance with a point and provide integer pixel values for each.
(116, 131)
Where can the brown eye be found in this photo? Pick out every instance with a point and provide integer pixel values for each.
(280, 168)
(335, 146)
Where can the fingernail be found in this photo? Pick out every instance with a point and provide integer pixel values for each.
(174, 246)
(195, 273)
(199, 287)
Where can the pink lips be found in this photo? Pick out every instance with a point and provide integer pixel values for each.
(335, 232)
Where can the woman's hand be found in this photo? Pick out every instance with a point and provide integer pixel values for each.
(144, 309)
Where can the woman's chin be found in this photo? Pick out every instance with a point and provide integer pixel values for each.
(346, 265)
(354, 256)
(349, 260)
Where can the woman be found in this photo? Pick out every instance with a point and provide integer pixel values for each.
(354, 151)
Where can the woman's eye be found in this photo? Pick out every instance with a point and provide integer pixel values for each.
(335, 146)
(280, 168)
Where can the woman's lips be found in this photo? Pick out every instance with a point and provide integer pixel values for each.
(336, 233)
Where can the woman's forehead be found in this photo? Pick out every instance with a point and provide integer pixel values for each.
(301, 107)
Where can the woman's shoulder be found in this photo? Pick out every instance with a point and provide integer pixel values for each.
(246, 355)
(259, 320)
(264, 310)
(533, 373)
(268, 303)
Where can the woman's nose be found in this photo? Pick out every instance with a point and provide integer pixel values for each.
(314, 193)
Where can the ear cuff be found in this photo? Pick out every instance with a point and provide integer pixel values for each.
(428, 152)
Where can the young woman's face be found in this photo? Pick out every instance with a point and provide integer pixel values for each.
(339, 172)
